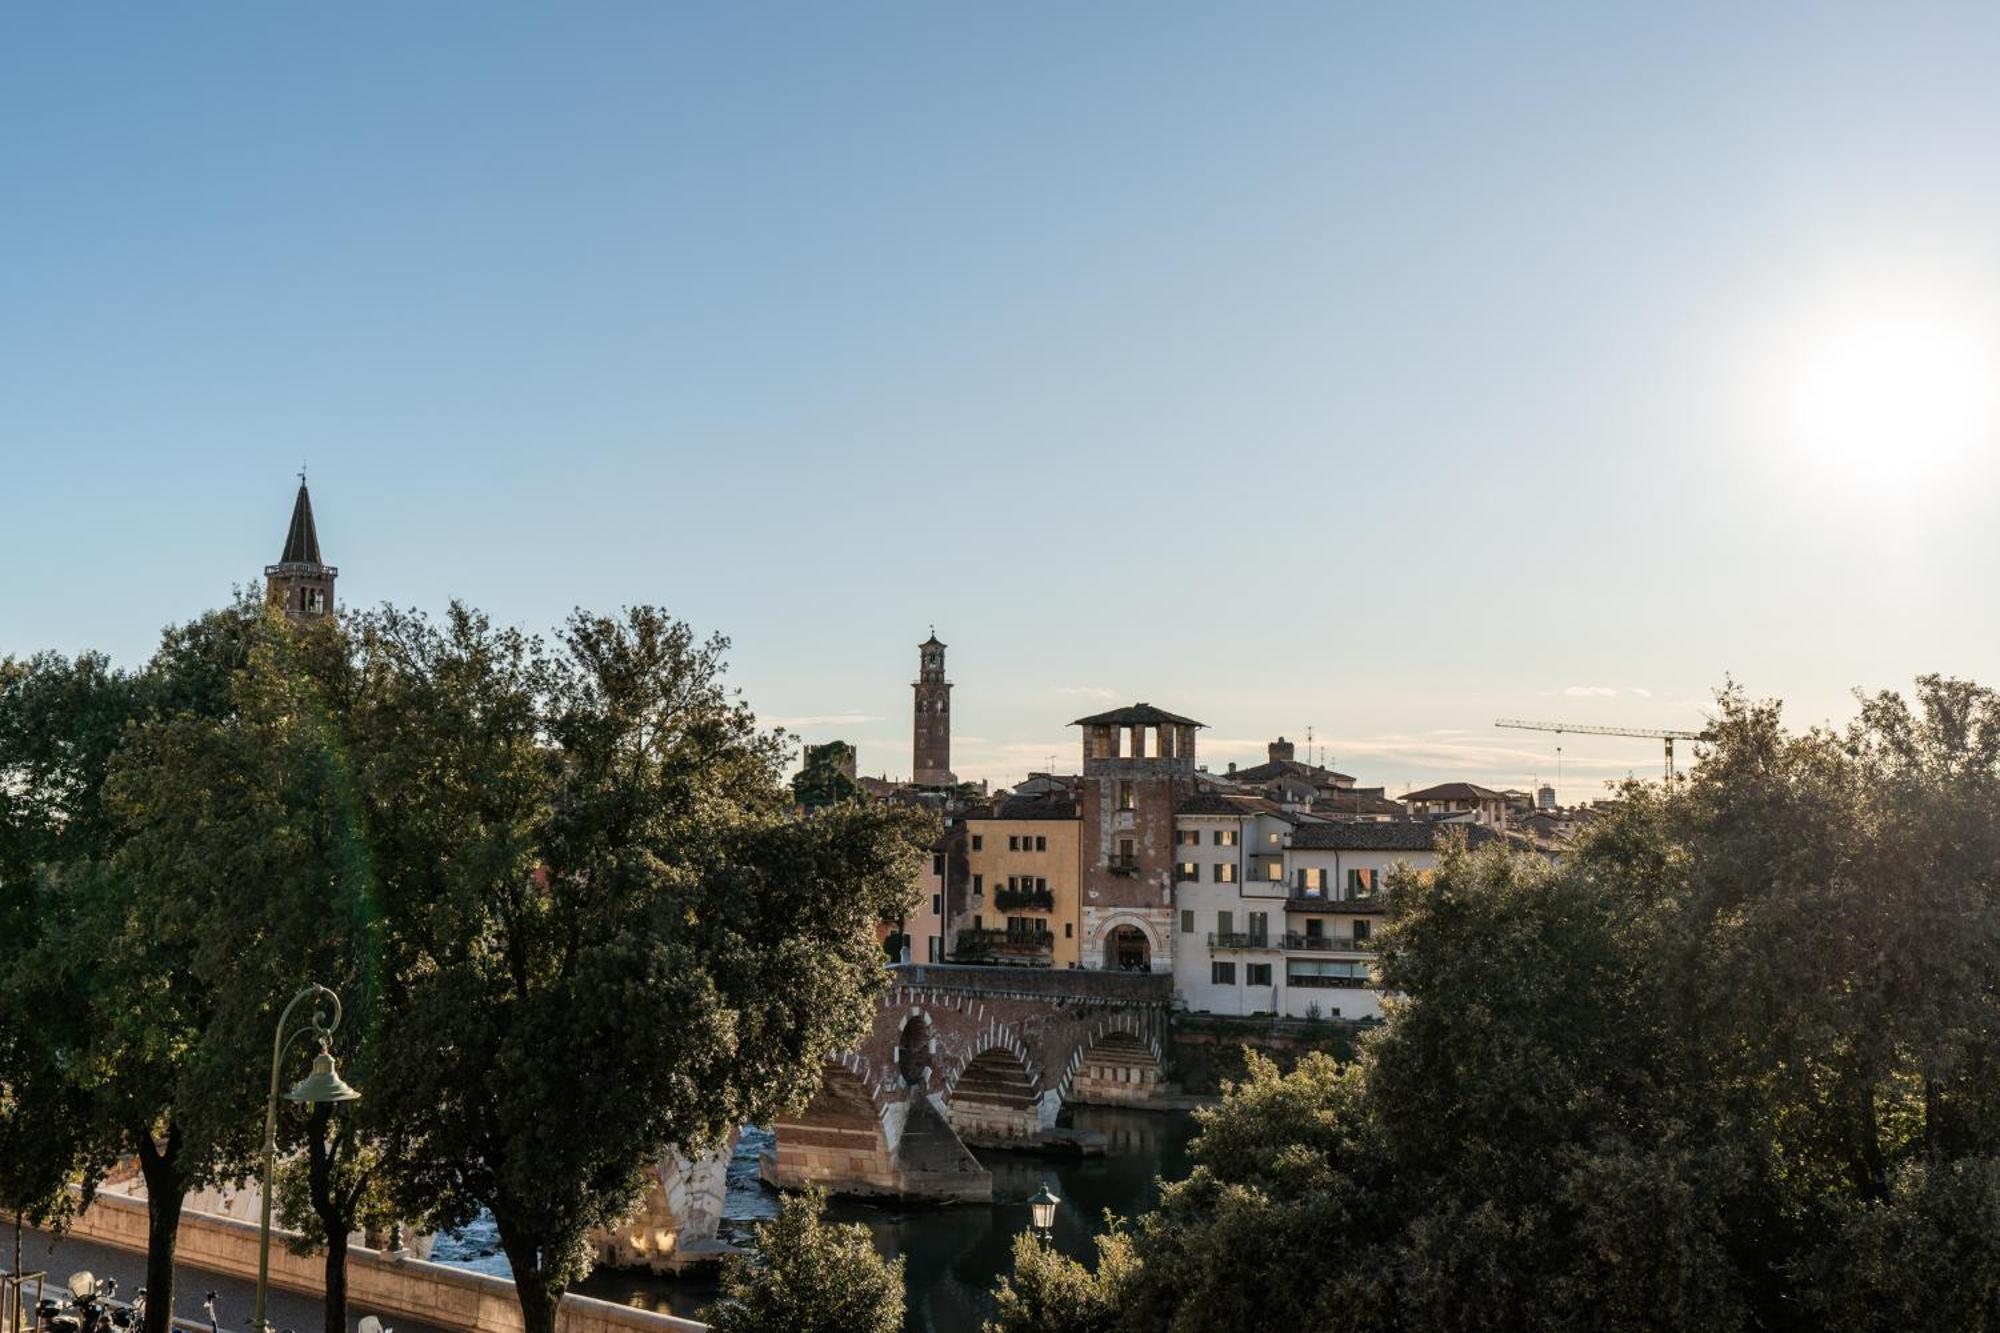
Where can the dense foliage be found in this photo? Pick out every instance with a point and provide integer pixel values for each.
(1734, 1063)
(810, 1276)
(561, 889)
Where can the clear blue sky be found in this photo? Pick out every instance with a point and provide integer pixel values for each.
(1381, 369)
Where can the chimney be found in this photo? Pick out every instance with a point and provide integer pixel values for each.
(1280, 751)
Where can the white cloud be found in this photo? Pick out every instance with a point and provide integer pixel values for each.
(1591, 691)
(847, 719)
(1088, 692)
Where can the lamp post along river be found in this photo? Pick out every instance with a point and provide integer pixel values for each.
(321, 1086)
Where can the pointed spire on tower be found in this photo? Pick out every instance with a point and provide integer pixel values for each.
(302, 538)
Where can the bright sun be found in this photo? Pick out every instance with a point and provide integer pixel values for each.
(1891, 391)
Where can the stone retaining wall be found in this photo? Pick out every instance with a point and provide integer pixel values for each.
(437, 1294)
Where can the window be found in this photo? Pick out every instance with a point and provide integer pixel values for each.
(1069, 929)
(1274, 872)
(937, 904)
(1312, 879)
(1361, 883)
(1256, 974)
(1041, 842)
(975, 922)
(936, 943)
(1013, 843)
(978, 843)
(1187, 837)
(978, 885)
(1225, 872)
(1127, 851)
(1360, 931)
(1187, 870)
(1222, 974)
(1260, 925)
(1315, 927)
(1272, 837)
(1126, 798)
(1225, 837)
(1225, 923)
(1187, 921)
(937, 863)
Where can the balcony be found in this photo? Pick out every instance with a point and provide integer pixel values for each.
(1328, 943)
(1326, 902)
(1039, 900)
(1122, 865)
(1331, 983)
(1003, 946)
(1237, 939)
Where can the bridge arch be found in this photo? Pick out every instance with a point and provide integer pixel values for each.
(997, 1098)
(1117, 1065)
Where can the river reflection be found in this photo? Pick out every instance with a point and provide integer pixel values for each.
(954, 1255)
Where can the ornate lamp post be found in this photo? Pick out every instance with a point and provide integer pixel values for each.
(321, 1086)
(1042, 1209)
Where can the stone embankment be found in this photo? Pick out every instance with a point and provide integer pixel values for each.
(436, 1294)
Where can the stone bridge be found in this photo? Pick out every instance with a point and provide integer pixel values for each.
(972, 1055)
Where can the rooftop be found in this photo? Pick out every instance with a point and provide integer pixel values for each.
(1455, 791)
(1137, 715)
(1396, 835)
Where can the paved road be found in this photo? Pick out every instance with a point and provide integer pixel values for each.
(235, 1297)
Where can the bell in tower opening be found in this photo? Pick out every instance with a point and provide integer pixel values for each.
(930, 763)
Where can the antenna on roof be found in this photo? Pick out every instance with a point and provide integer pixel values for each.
(302, 472)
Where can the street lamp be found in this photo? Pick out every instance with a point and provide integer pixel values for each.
(320, 1087)
(1043, 1210)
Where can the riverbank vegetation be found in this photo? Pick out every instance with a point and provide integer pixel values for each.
(1732, 1063)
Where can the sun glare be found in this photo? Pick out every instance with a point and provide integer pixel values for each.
(1888, 393)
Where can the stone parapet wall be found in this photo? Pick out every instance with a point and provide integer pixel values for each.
(437, 1294)
(1040, 983)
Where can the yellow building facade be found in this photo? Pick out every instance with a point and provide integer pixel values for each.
(1022, 898)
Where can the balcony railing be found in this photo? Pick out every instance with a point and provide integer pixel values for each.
(1328, 943)
(1007, 899)
(986, 945)
(1332, 983)
(1237, 939)
(1122, 865)
(1326, 902)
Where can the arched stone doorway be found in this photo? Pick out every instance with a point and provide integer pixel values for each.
(1126, 950)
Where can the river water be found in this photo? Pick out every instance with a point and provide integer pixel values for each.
(953, 1255)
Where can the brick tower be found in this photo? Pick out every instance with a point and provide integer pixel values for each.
(930, 761)
(301, 583)
(1130, 790)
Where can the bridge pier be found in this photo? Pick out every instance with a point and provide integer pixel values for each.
(675, 1226)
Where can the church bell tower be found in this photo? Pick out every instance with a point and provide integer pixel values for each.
(930, 763)
(301, 584)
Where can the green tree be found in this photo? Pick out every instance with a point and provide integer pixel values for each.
(822, 779)
(1731, 1064)
(610, 937)
(60, 722)
(810, 1276)
(1048, 1292)
(133, 972)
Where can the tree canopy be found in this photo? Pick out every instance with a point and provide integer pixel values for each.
(1729, 1064)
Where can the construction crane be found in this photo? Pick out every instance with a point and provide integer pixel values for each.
(1646, 733)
